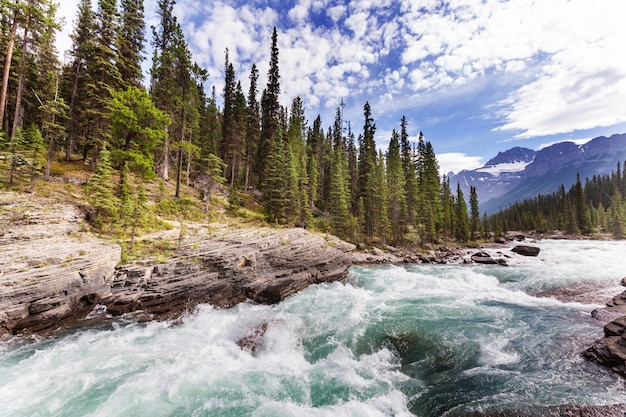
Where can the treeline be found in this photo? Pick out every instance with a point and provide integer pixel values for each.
(597, 207)
(96, 108)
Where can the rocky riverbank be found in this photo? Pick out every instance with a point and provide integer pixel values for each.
(610, 351)
(53, 271)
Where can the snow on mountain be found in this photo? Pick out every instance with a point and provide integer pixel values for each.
(520, 173)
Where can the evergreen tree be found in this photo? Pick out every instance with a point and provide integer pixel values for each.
(137, 128)
(270, 111)
(253, 126)
(83, 48)
(462, 219)
(617, 216)
(100, 192)
(366, 166)
(130, 42)
(410, 174)
(276, 183)
(104, 76)
(582, 217)
(475, 213)
(230, 145)
(396, 183)
(163, 82)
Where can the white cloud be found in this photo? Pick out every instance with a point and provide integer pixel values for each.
(336, 12)
(456, 162)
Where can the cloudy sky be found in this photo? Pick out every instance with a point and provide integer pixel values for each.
(475, 76)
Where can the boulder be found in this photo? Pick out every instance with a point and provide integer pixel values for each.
(484, 258)
(526, 250)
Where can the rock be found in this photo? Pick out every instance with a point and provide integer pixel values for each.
(623, 282)
(253, 341)
(262, 264)
(500, 240)
(526, 250)
(377, 252)
(484, 258)
(50, 274)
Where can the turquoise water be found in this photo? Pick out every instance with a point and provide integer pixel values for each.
(394, 341)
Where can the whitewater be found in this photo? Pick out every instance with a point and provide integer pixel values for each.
(424, 340)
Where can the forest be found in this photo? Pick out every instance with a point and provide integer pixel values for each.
(173, 136)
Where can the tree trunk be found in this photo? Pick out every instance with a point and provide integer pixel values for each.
(180, 153)
(7, 68)
(166, 157)
(71, 140)
(20, 83)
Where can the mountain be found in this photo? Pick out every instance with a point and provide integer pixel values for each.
(521, 173)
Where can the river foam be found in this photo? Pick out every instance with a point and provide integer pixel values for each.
(420, 340)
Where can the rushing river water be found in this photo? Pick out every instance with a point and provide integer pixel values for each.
(395, 341)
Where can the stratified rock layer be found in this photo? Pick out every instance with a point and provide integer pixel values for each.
(50, 272)
(610, 351)
(53, 272)
(227, 267)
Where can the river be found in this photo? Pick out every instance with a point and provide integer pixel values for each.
(425, 340)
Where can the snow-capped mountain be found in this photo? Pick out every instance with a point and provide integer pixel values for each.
(498, 176)
(521, 173)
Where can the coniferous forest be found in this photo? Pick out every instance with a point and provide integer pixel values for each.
(171, 135)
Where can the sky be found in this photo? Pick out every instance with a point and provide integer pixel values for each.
(477, 77)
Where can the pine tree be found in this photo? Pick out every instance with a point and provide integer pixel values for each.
(462, 219)
(83, 48)
(582, 217)
(100, 192)
(230, 145)
(617, 216)
(104, 76)
(410, 174)
(396, 184)
(163, 87)
(35, 149)
(137, 128)
(475, 213)
(253, 126)
(270, 111)
(130, 43)
(366, 166)
(276, 184)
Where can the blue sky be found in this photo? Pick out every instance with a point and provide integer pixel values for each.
(475, 76)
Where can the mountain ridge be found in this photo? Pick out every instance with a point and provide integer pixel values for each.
(521, 173)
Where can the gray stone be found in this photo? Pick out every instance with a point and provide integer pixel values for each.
(526, 250)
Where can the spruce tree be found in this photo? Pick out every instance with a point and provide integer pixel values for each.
(100, 194)
(83, 48)
(462, 219)
(130, 43)
(270, 111)
(253, 126)
(366, 166)
(475, 213)
(396, 184)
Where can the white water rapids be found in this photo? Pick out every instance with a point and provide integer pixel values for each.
(420, 340)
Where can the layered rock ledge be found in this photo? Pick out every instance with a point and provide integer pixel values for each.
(610, 351)
(53, 272)
(50, 270)
(227, 266)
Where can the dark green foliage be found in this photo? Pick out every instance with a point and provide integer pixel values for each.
(130, 42)
(100, 193)
(595, 207)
